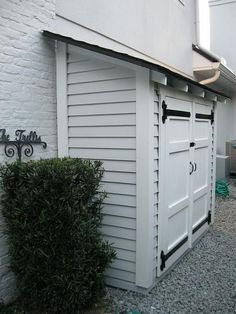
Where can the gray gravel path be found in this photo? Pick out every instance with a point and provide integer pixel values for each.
(203, 282)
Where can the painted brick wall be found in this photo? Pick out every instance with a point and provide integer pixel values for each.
(27, 88)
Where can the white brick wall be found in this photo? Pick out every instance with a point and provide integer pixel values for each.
(27, 88)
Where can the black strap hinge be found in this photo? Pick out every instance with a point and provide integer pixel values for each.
(174, 113)
(212, 116)
(206, 116)
(164, 108)
(209, 217)
(164, 257)
(163, 260)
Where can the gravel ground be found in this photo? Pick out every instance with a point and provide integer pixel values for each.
(203, 282)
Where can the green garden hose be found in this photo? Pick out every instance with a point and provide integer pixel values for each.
(222, 188)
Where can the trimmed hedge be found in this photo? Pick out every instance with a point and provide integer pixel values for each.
(52, 210)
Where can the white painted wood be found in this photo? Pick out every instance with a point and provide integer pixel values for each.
(158, 77)
(88, 65)
(178, 84)
(100, 142)
(119, 188)
(125, 107)
(124, 265)
(102, 98)
(101, 75)
(122, 244)
(101, 86)
(103, 120)
(118, 232)
(108, 154)
(210, 96)
(101, 57)
(189, 199)
(119, 165)
(62, 124)
(144, 166)
(118, 221)
(120, 177)
(126, 255)
(102, 125)
(173, 223)
(118, 131)
(120, 274)
(120, 211)
(202, 136)
(196, 91)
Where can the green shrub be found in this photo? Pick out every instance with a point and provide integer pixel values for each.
(52, 210)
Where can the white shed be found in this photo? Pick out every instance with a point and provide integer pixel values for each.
(154, 131)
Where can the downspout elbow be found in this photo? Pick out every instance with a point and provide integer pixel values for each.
(211, 79)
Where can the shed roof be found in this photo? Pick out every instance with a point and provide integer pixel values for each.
(131, 59)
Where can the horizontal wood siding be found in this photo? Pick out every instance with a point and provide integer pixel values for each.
(156, 178)
(101, 122)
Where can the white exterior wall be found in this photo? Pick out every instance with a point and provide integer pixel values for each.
(223, 25)
(162, 30)
(225, 125)
(28, 91)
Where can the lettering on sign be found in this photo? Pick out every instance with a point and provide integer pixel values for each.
(23, 143)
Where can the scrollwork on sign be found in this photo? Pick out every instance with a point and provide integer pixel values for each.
(22, 143)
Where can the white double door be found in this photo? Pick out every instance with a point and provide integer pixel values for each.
(185, 156)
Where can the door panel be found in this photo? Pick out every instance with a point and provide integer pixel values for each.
(186, 157)
(177, 185)
(201, 177)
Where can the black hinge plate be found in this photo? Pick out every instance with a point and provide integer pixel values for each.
(164, 257)
(202, 223)
(209, 217)
(206, 116)
(171, 112)
(192, 144)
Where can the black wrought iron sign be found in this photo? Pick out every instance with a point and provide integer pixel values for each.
(22, 145)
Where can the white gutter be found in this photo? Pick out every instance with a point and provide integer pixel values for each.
(211, 79)
(227, 73)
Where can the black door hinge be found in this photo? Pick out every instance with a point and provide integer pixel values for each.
(164, 108)
(192, 144)
(164, 257)
(175, 113)
(206, 116)
(202, 223)
(212, 116)
(163, 260)
(209, 217)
